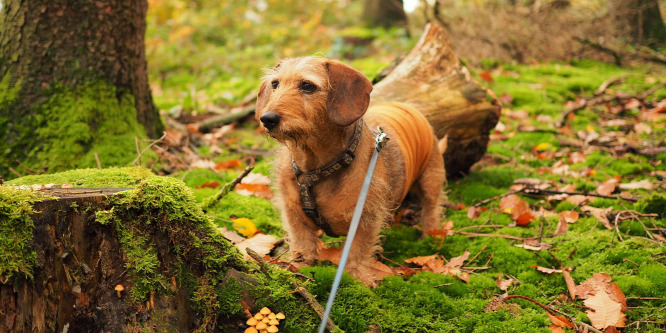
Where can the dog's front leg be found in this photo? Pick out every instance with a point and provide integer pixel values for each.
(366, 245)
(302, 238)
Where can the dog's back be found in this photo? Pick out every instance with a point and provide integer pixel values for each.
(411, 130)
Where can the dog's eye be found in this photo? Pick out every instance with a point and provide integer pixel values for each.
(275, 84)
(307, 87)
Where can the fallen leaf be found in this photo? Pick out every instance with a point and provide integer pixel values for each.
(556, 329)
(504, 284)
(644, 184)
(534, 245)
(571, 284)
(485, 76)
(517, 208)
(457, 262)
(592, 285)
(560, 321)
(231, 235)
(616, 294)
(423, 260)
(547, 270)
(226, 165)
(505, 97)
(577, 157)
(608, 186)
(569, 216)
(260, 243)
(601, 214)
(473, 212)
(577, 199)
(604, 311)
(245, 227)
(255, 184)
(562, 227)
(446, 230)
(641, 128)
(209, 184)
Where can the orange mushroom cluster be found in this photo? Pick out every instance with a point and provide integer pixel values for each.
(264, 321)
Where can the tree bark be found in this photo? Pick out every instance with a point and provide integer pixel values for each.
(384, 13)
(50, 45)
(432, 79)
(639, 21)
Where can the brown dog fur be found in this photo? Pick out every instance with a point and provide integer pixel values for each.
(314, 128)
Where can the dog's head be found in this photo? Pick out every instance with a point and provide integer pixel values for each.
(301, 96)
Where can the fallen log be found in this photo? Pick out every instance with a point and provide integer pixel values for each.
(432, 79)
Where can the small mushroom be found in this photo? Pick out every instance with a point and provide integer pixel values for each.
(265, 311)
(258, 316)
(119, 288)
(263, 331)
(279, 316)
(261, 326)
(274, 322)
(265, 320)
(67, 186)
(272, 329)
(251, 330)
(251, 321)
(271, 315)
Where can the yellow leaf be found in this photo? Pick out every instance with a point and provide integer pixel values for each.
(589, 128)
(245, 227)
(542, 146)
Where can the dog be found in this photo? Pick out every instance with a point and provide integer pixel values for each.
(317, 109)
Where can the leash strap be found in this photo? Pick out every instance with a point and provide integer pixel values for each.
(380, 141)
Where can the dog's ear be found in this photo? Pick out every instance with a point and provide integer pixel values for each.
(262, 98)
(349, 96)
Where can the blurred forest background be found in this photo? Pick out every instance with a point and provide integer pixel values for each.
(206, 53)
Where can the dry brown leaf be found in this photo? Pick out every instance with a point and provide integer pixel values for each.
(571, 284)
(645, 184)
(457, 262)
(423, 260)
(556, 329)
(562, 227)
(520, 211)
(504, 284)
(547, 270)
(569, 216)
(608, 186)
(611, 329)
(577, 157)
(260, 243)
(473, 212)
(231, 235)
(591, 285)
(616, 294)
(577, 199)
(560, 321)
(600, 214)
(604, 311)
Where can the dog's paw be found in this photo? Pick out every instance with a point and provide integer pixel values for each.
(301, 260)
(363, 274)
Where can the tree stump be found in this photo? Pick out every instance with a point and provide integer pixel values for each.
(432, 79)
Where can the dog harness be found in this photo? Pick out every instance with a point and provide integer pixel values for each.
(308, 202)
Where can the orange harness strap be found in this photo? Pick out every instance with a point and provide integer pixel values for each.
(413, 132)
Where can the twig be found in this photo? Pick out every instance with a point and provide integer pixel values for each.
(615, 54)
(477, 255)
(138, 158)
(489, 259)
(442, 285)
(311, 300)
(29, 170)
(606, 84)
(547, 191)
(552, 311)
(15, 172)
(227, 188)
(481, 203)
(617, 228)
(99, 165)
(571, 253)
(646, 317)
(474, 234)
(482, 226)
(558, 262)
(651, 91)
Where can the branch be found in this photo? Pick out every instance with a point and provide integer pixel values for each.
(210, 202)
(138, 158)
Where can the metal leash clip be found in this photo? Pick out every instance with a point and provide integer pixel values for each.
(380, 138)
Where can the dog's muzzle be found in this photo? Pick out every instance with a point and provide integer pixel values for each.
(270, 120)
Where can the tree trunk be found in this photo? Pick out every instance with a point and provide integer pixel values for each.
(65, 62)
(384, 13)
(432, 79)
(639, 21)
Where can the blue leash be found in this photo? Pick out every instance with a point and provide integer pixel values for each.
(380, 140)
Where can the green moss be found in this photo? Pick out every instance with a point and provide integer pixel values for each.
(17, 258)
(110, 177)
(653, 204)
(72, 125)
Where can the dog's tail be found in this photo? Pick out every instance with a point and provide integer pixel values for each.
(442, 144)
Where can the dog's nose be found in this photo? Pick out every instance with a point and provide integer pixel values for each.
(270, 120)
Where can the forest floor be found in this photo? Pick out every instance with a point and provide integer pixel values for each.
(570, 194)
(562, 224)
